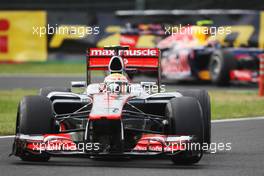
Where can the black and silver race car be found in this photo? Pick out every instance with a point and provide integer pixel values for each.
(115, 118)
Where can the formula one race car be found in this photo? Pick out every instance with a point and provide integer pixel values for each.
(115, 118)
(184, 57)
(196, 56)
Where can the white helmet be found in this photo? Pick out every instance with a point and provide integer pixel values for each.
(116, 83)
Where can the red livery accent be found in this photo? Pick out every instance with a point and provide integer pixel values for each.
(133, 52)
(129, 40)
(52, 142)
(137, 63)
(105, 116)
(241, 75)
(159, 143)
(137, 58)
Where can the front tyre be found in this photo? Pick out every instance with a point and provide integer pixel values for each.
(35, 116)
(185, 118)
(204, 99)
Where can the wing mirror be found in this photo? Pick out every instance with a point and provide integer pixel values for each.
(148, 84)
(78, 84)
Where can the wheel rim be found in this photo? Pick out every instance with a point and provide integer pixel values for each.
(215, 67)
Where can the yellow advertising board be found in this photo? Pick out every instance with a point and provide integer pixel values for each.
(17, 41)
(261, 30)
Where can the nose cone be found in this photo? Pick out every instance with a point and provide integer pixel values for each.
(116, 64)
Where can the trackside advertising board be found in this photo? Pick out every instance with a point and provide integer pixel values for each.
(17, 42)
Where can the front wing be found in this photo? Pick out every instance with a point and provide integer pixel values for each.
(63, 145)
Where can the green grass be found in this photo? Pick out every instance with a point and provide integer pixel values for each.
(225, 104)
(44, 68)
(236, 104)
(8, 108)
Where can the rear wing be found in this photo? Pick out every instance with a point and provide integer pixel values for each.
(133, 59)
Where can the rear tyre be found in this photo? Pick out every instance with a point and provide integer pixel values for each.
(204, 99)
(35, 116)
(221, 63)
(185, 118)
(46, 90)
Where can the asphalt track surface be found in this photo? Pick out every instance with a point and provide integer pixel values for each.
(8, 82)
(246, 158)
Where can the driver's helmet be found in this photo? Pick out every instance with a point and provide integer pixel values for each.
(116, 83)
(202, 30)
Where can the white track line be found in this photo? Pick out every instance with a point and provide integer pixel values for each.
(5, 137)
(41, 75)
(213, 121)
(238, 119)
